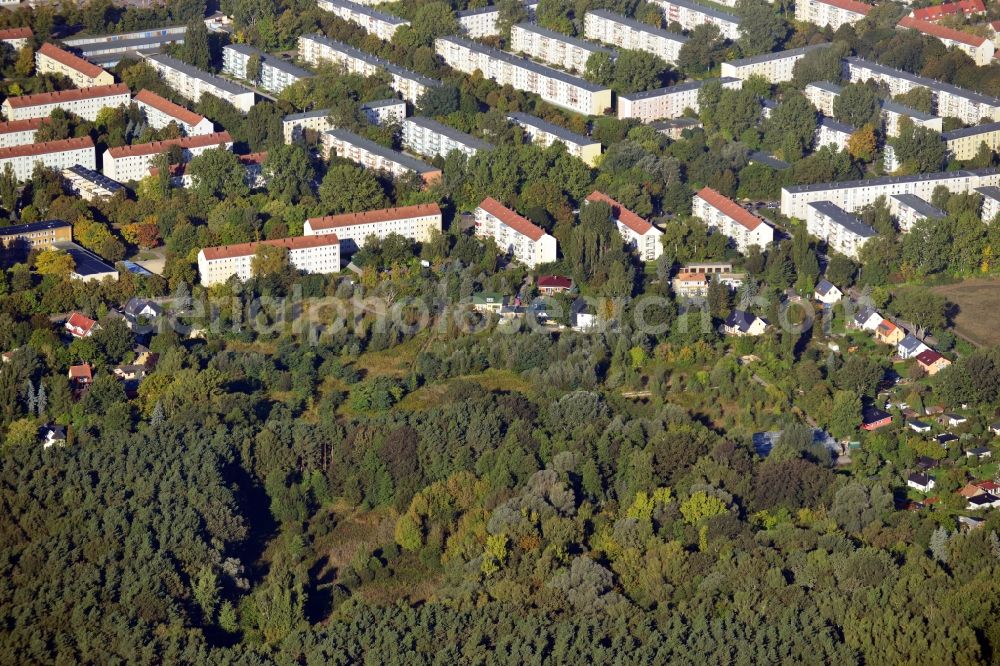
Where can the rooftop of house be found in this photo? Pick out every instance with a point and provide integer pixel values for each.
(374, 216)
(70, 60)
(164, 105)
(919, 206)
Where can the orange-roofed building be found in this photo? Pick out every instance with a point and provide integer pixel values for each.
(936, 12)
(418, 223)
(310, 254)
(980, 49)
(125, 163)
(888, 333)
(638, 233)
(160, 112)
(515, 235)
(84, 102)
(50, 59)
(57, 155)
(730, 219)
(17, 38)
(81, 326)
(932, 362)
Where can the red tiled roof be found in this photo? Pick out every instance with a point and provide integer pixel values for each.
(988, 486)
(243, 249)
(253, 158)
(522, 225)
(886, 326)
(77, 320)
(966, 7)
(555, 282)
(157, 147)
(16, 33)
(46, 148)
(164, 105)
(621, 213)
(72, 95)
(373, 216)
(691, 277)
(928, 357)
(81, 371)
(850, 5)
(730, 208)
(70, 60)
(941, 32)
(12, 126)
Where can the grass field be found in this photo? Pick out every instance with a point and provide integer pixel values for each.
(978, 301)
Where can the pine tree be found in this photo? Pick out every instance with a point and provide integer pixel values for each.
(939, 545)
(41, 401)
(28, 393)
(156, 418)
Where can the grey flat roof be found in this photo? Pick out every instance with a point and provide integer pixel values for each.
(135, 44)
(828, 86)
(358, 54)
(517, 61)
(924, 81)
(990, 192)
(843, 218)
(87, 263)
(970, 131)
(378, 149)
(780, 55)
(638, 26)
(82, 38)
(195, 73)
(450, 132)
(551, 128)
(270, 60)
(368, 11)
(706, 10)
(16, 229)
(670, 123)
(558, 36)
(837, 126)
(679, 88)
(488, 9)
(913, 202)
(379, 103)
(887, 180)
(769, 160)
(318, 113)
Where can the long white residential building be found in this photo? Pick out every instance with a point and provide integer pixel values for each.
(354, 229)
(514, 235)
(57, 155)
(83, 102)
(485, 21)
(16, 38)
(19, 132)
(374, 22)
(310, 254)
(980, 49)
(641, 236)
(775, 67)
(833, 13)
(842, 232)
(822, 94)
(555, 87)
(968, 106)
(690, 15)
(89, 184)
(50, 59)
(125, 163)
(384, 111)
(426, 136)
(317, 49)
(553, 48)
(191, 83)
(908, 209)
(669, 102)
(964, 143)
(375, 156)
(160, 112)
(856, 194)
(275, 74)
(294, 126)
(545, 134)
(629, 34)
(730, 219)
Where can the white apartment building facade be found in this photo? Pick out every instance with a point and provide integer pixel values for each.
(57, 155)
(160, 112)
(377, 23)
(16, 38)
(553, 48)
(310, 254)
(485, 21)
(384, 111)
(980, 49)
(669, 102)
(833, 13)
(559, 88)
(545, 134)
(19, 132)
(89, 184)
(125, 163)
(418, 223)
(830, 132)
(516, 236)
(641, 236)
(275, 73)
(964, 143)
(627, 33)
(775, 67)
(856, 194)
(317, 49)
(725, 216)
(50, 59)
(294, 126)
(841, 231)
(991, 202)
(84, 102)
(908, 209)
(822, 94)
(426, 136)
(375, 156)
(191, 83)
(690, 14)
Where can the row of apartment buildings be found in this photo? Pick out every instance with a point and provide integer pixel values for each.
(669, 102)
(554, 48)
(191, 83)
(823, 95)
(377, 23)
(275, 74)
(627, 33)
(375, 156)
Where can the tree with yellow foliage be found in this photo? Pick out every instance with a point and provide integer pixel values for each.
(862, 144)
(55, 262)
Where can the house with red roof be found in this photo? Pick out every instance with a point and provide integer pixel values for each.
(160, 112)
(554, 284)
(17, 38)
(417, 222)
(937, 12)
(125, 163)
(932, 362)
(84, 102)
(81, 326)
(639, 234)
(516, 236)
(310, 254)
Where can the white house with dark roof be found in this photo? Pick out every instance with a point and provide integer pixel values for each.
(428, 137)
(384, 111)
(920, 482)
(191, 83)
(866, 319)
(827, 293)
(908, 209)
(741, 323)
(910, 347)
(669, 102)
(275, 74)
(840, 230)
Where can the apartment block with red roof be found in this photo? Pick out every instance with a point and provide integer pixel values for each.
(833, 13)
(640, 235)
(17, 38)
(125, 163)
(980, 49)
(354, 229)
(56, 155)
(730, 219)
(50, 59)
(516, 236)
(310, 254)
(19, 132)
(160, 112)
(84, 102)
(936, 12)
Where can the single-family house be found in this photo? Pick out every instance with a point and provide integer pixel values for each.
(584, 317)
(920, 482)
(130, 372)
(743, 323)
(52, 435)
(826, 293)
(932, 362)
(81, 326)
(888, 333)
(954, 420)
(81, 376)
(926, 463)
(970, 490)
(945, 439)
(873, 418)
(554, 284)
(866, 319)
(139, 311)
(910, 347)
(488, 301)
(918, 426)
(983, 501)
(995, 428)
(979, 453)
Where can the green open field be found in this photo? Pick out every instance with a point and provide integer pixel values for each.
(978, 300)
